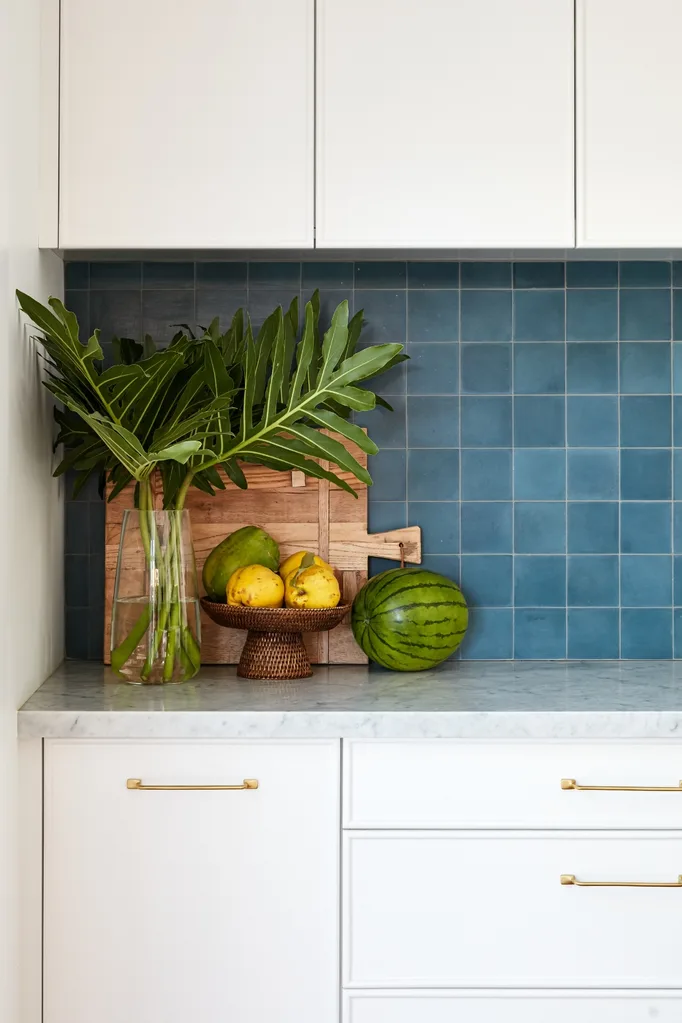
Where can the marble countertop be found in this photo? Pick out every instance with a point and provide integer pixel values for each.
(468, 699)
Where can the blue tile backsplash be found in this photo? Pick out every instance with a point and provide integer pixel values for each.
(536, 437)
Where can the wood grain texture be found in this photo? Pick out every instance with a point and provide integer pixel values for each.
(315, 516)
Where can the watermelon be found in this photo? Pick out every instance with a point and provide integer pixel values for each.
(409, 619)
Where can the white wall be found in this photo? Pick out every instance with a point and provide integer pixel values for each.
(31, 517)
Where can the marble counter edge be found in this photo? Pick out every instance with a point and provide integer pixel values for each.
(344, 724)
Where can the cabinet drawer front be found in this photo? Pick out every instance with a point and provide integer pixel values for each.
(512, 1007)
(452, 784)
(488, 909)
(191, 904)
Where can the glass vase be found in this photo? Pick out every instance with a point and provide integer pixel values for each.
(155, 625)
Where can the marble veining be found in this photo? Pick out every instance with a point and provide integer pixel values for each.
(477, 700)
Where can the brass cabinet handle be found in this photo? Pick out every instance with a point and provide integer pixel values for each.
(571, 879)
(136, 783)
(571, 783)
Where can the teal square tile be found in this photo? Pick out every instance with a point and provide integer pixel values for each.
(592, 527)
(433, 475)
(439, 522)
(76, 275)
(592, 474)
(271, 274)
(591, 273)
(432, 369)
(539, 369)
(489, 636)
(486, 275)
(487, 579)
(540, 581)
(593, 633)
(539, 316)
(387, 429)
(592, 368)
(677, 315)
(486, 422)
(592, 315)
(486, 527)
(544, 274)
(540, 634)
(486, 315)
(444, 274)
(432, 422)
(539, 422)
(540, 474)
(432, 315)
(647, 273)
(539, 527)
(645, 527)
(593, 580)
(116, 274)
(645, 475)
(388, 472)
(645, 367)
(592, 421)
(646, 633)
(221, 274)
(327, 275)
(486, 474)
(486, 369)
(645, 314)
(645, 421)
(384, 315)
(376, 273)
(646, 580)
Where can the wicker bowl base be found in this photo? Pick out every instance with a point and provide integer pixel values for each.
(274, 647)
(274, 655)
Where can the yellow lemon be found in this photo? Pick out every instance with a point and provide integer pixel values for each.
(255, 586)
(293, 563)
(312, 587)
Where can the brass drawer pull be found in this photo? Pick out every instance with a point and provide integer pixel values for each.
(136, 783)
(571, 879)
(571, 783)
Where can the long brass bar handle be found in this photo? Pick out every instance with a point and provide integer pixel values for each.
(136, 783)
(572, 879)
(571, 783)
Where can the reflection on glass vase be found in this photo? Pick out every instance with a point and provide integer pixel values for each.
(155, 627)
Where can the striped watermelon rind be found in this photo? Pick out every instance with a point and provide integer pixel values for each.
(409, 619)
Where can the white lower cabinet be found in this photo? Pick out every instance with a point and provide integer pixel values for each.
(488, 909)
(202, 880)
(512, 1007)
(170, 906)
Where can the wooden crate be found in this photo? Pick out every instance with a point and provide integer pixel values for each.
(301, 514)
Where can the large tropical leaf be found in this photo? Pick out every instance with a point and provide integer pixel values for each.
(282, 432)
(206, 402)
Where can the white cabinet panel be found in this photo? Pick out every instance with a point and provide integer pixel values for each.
(455, 784)
(164, 907)
(186, 125)
(512, 1007)
(487, 909)
(628, 143)
(445, 124)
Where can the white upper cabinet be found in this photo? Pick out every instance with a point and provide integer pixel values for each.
(186, 125)
(445, 123)
(628, 140)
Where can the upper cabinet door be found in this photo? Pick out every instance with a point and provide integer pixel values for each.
(445, 123)
(628, 142)
(186, 125)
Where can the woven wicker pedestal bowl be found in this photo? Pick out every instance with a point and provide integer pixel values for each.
(274, 647)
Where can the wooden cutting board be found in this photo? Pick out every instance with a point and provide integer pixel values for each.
(301, 514)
